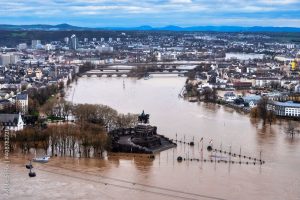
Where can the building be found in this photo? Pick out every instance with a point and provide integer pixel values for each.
(22, 103)
(297, 88)
(251, 100)
(49, 47)
(8, 58)
(239, 85)
(285, 109)
(66, 39)
(38, 74)
(229, 97)
(105, 49)
(4, 103)
(35, 44)
(74, 42)
(266, 81)
(5, 59)
(22, 46)
(13, 122)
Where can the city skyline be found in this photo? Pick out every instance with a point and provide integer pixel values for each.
(156, 13)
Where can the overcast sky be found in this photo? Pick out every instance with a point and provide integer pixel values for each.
(157, 13)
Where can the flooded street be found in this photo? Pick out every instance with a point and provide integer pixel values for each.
(122, 176)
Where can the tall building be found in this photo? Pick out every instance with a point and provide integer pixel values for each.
(14, 58)
(74, 42)
(86, 40)
(8, 58)
(35, 44)
(4, 59)
(66, 39)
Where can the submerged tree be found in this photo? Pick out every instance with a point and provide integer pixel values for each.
(262, 112)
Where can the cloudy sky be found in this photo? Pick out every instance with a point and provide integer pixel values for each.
(157, 13)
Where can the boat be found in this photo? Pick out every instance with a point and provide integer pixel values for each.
(44, 159)
(147, 77)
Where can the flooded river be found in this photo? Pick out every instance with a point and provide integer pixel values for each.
(137, 177)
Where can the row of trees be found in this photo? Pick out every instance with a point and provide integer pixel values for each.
(205, 94)
(261, 112)
(37, 97)
(86, 67)
(86, 137)
(143, 71)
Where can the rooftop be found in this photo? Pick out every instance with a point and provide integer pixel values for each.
(286, 104)
(21, 97)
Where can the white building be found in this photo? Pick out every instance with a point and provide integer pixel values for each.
(4, 59)
(22, 46)
(105, 49)
(49, 47)
(229, 97)
(8, 58)
(12, 122)
(285, 109)
(74, 42)
(66, 39)
(35, 44)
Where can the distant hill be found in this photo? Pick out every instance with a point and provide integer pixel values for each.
(65, 27)
(44, 27)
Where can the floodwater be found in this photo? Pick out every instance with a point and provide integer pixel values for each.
(122, 176)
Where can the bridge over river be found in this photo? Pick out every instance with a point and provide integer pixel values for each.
(124, 70)
(123, 73)
(158, 64)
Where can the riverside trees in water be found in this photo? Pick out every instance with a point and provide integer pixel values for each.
(86, 136)
(261, 112)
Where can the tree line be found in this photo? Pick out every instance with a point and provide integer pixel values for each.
(86, 136)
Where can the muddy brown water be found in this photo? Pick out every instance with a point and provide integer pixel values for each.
(123, 176)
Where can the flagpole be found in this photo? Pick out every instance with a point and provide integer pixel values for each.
(201, 149)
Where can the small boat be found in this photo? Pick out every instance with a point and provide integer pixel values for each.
(147, 77)
(44, 159)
